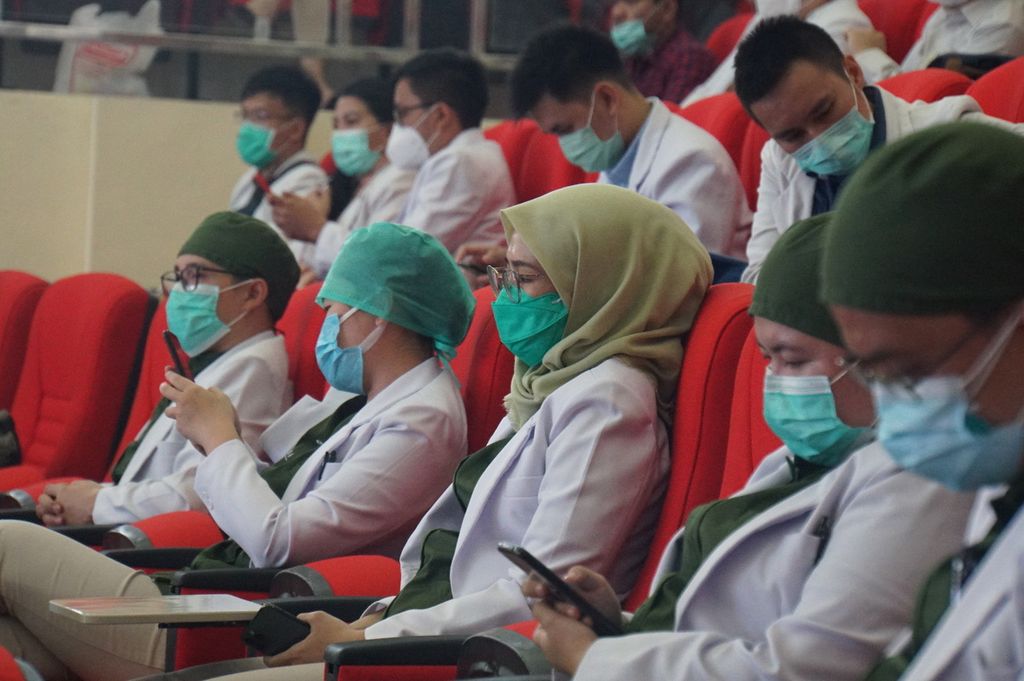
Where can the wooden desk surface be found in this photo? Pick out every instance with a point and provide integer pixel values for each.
(160, 609)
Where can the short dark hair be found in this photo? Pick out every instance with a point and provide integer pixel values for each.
(766, 55)
(449, 76)
(375, 93)
(291, 85)
(564, 61)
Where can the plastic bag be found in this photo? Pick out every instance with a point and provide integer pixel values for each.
(103, 67)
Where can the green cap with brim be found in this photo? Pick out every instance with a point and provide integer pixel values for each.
(787, 286)
(931, 224)
(405, 276)
(247, 247)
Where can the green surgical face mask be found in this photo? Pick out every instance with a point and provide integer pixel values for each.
(584, 148)
(530, 327)
(631, 38)
(253, 144)
(351, 152)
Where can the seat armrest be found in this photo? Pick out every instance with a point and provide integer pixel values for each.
(406, 650)
(230, 579)
(91, 535)
(346, 608)
(26, 514)
(155, 559)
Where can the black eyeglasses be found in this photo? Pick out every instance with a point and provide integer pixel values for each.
(510, 281)
(400, 112)
(190, 277)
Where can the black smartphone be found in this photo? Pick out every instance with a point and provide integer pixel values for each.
(178, 356)
(562, 591)
(274, 630)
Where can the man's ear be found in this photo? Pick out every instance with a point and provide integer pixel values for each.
(256, 292)
(855, 71)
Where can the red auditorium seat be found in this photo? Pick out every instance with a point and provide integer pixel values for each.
(900, 20)
(81, 350)
(750, 162)
(928, 85)
(727, 34)
(535, 160)
(750, 438)
(19, 294)
(1001, 91)
(724, 117)
(300, 324)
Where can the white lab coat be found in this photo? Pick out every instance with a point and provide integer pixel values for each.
(982, 636)
(836, 17)
(391, 461)
(764, 606)
(302, 179)
(459, 191)
(580, 483)
(978, 27)
(682, 166)
(158, 479)
(382, 199)
(786, 193)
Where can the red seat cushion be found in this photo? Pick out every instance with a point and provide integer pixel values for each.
(727, 34)
(81, 350)
(724, 117)
(750, 163)
(1001, 91)
(899, 20)
(300, 324)
(19, 295)
(928, 85)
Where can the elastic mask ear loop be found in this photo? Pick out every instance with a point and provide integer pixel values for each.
(983, 367)
(422, 118)
(856, 102)
(228, 288)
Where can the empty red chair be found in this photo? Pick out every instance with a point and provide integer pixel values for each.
(899, 20)
(724, 117)
(1001, 91)
(928, 85)
(82, 346)
(727, 34)
(750, 438)
(300, 324)
(19, 294)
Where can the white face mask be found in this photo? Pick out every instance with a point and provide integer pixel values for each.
(772, 8)
(406, 148)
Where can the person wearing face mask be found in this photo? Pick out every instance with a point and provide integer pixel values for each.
(572, 82)
(661, 57)
(922, 274)
(350, 473)
(278, 105)
(967, 27)
(835, 17)
(601, 285)
(231, 282)
(362, 124)
(790, 578)
(823, 122)
(462, 179)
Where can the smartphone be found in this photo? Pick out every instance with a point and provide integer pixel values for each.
(528, 563)
(274, 630)
(178, 356)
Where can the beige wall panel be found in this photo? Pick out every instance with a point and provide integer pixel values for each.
(45, 162)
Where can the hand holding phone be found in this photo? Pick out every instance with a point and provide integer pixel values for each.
(274, 630)
(561, 590)
(178, 356)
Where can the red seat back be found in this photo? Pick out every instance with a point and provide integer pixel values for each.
(754, 140)
(484, 368)
(727, 34)
(19, 294)
(535, 160)
(300, 324)
(9, 668)
(81, 351)
(899, 20)
(700, 430)
(1001, 91)
(928, 85)
(724, 117)
(750, 438)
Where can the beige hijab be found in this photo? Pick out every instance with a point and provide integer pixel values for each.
(632, 275)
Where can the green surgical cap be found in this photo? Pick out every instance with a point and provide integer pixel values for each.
(931, 224)
(406, 277)
(247, 247)
(787, 286)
